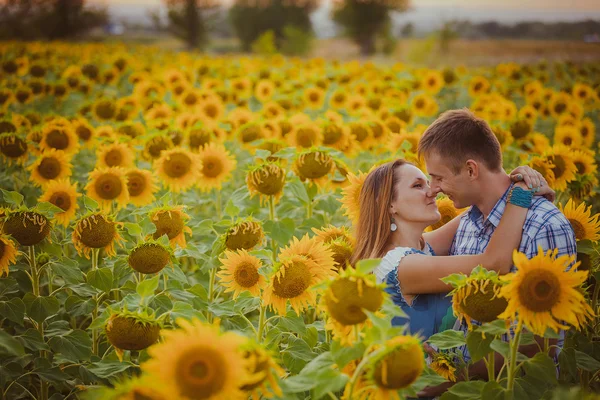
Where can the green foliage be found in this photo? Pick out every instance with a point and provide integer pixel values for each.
(265, 44)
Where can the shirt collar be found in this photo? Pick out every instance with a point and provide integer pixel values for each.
(494, 218)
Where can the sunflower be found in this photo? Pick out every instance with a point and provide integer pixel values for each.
(170, 221)
(587, 130)
(397, 365)
(212, 109)
(335, 134)
(149, 257)
(141, 186)
(584, 162)
(478, 85)
(443, 365)
(59, 137)
(528, 113)
(64, 195)
(261, 369)
(398, 140)
(585, 226)
(249, 132)
(84, 131)
(200, 135)
(179, 169)
(264, 90)
(558, 104)
(338, 99)
(267, 180)
(291, 281)
(351, 195)
(521, 128)
(127, 330)
(330, 233)
(564, 168)
(217, 164)
(141, 387)
(245, 234)
(447, 211)
(315, 251)
(239, 273)
(432, 82)
(8, 253)
(197, 362)
(314, 166)
(13, 148)
(115, 155)
(476, 297)
(545, 293)
(107, 185)
(155, 145)
(423, 105)
(344, 300)
(96, 231)
(314, 97)
(28, 228)
(544, 167)
(568, 136)
(305, 135)
(505, 138)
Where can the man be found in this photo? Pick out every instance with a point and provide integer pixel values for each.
(464, 160)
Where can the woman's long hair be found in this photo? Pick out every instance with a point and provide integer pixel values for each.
(373, 229)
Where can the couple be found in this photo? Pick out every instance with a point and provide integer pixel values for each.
(397, 202)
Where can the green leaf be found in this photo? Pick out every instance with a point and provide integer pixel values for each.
(586, 362)
(89, 203)
(10, 345)
(298, 190)
(107, 368)
(367, 265)
(75, 346)
(32, 340)
(13, 309)
(52, 374)
(585, 246)
(541, 367)
(133, 229)
(40, 308)
(101, 278)
(503, 349)
(478, 346)
(493, 391)
(494, 328)
(464, 390)
(68, 270)
(147, 287)
(48, 209)
(12, 198)
(448, 339)
(281, 231)
(231, 209)
(344, 354)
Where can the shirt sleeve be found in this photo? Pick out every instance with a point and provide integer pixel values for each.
(553, 236)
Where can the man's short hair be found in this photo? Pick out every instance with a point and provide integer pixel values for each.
(459, 135)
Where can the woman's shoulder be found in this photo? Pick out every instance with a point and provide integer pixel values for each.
(393, 257)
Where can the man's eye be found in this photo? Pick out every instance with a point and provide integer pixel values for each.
(418, 185)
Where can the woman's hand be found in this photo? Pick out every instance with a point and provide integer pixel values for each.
(534, 181)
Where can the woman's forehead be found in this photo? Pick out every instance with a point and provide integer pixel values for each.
(410, 172)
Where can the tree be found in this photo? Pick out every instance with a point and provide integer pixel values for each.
(363, 20)
(42, 19)
(252, 18)
(187, 20)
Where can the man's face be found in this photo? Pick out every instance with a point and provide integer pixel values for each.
(458, 187)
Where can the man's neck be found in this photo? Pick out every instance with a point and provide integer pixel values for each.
(493, 187)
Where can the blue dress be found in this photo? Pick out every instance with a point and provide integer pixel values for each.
(428, 313)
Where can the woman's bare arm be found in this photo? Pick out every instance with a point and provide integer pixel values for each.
(421, 274)
(441, 239)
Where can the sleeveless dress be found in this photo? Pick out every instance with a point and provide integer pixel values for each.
(428, 313)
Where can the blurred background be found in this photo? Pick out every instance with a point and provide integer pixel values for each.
(427, 32)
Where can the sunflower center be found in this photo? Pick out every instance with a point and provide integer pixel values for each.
(12, 146)
(129, 333)
(168, 223)
(580, 167)
(251, 133)
(201, 373)
(57, 139)
(482, 307)
(294, 281)
(578, 228)
(106, 110)
(314, 165)
(306, 137)
(61, 199)
(560, 107)
(346, 301)
(212, 167)
(199, 137)
(211, 111)
(268, 180)
(136, 183)
(26, 227)
(177, 165)
(83, 132)
(331, 134)
(156, 145)
(2, 249)
(113, 158)
(559, 166)
(244, 236)
(539, 291)
(246, 275)
(149, 258)
(108, 186)
(96, 232)
(399, 369)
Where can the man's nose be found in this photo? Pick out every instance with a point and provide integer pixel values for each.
(434, 190)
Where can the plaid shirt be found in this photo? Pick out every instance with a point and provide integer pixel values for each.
(544, 226)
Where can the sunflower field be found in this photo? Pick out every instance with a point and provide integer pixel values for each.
(178, 226)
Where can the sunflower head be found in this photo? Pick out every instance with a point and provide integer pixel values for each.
(545, 292)
(476, 297)
(155, 146)
(26, 227)
(108, 185)
(443, 365)
(398, 365)
(128, 330)
(179, 169)
(261, 369)
(585, 225)
(150, 257)
(139, 388)
(240, 272)
(115, 155)
(266, 179)
(96, 231)
(13, 147)
(447, 211)
(313, 165)
(246, 234)
(171, 221)
(60, 136)
(217, 166)
(351, 195)
(62, 194)
(8, 253)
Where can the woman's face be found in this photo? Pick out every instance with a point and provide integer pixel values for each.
(414, 202)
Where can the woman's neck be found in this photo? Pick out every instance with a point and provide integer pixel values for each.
(407, 235)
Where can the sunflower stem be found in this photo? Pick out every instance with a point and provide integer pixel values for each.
(491, 366)
(218, 204)
(546, 344)
(211, 290)
(35, 285)
(261, 323)
(513, 361)
(361, 366)
(95, 255)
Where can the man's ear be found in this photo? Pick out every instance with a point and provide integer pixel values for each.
(472, 169)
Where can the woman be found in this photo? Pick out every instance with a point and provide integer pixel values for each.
(396, 205)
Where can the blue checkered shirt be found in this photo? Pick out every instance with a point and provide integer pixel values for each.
(544, 226)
